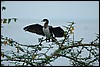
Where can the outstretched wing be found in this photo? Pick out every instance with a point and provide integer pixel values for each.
(58, 32)
(36, 28)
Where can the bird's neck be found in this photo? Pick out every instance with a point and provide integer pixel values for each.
(45, 25)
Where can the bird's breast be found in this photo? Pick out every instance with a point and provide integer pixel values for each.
(46, 31)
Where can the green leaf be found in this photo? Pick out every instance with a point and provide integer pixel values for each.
(14, 19)
(66, 27)
(39, 48)
(6, 38)
(5, 21)
(72, 22)
(3, 8)
(9, 21)
(8, 57)
(11, 44)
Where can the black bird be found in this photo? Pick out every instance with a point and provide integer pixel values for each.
(45, 30)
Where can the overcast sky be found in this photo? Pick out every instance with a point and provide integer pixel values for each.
(84, 13)
(52, 9)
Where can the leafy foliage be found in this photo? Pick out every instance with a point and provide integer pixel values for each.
(4, 20)
(33, 55)
(3, 8)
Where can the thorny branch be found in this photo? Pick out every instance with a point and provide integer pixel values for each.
(39, 55)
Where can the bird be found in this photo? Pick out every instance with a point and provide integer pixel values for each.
(45, 30)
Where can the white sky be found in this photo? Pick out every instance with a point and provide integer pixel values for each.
(52, 9)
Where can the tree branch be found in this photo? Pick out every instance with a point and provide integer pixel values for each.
(66, 47)
(71, 59)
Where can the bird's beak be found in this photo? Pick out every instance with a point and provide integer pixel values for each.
(42, 21)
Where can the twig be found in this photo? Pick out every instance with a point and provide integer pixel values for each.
(66, 47)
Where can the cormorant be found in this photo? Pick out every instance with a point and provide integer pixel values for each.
(45, 30)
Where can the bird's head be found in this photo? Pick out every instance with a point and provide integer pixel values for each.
(45, 20)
